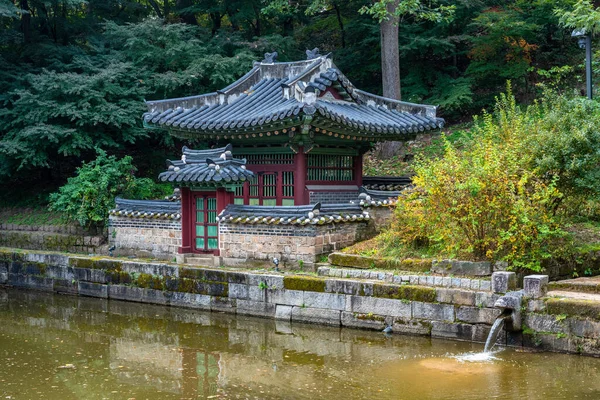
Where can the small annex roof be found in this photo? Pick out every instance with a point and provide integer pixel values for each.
(389, 183)
(275, 96)
(214, 166)
(157, 209)
(377, 198)
(317, 214)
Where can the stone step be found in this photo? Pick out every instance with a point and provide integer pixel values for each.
(586, 285)
(202, 261)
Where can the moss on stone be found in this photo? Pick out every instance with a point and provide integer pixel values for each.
(575, 287)
(303, 282)
(34, 268)
(370, 317)
(148, 281)
(364, 262)
(573, 307)
(404, 292)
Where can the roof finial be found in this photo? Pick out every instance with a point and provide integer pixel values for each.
(270, 58)
(314, 53)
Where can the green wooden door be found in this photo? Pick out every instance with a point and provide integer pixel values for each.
(206, 232)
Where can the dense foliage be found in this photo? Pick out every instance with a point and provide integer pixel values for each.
(74, 73)
(90, 194)
(511, 191)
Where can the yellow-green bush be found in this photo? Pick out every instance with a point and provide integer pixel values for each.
(484, 202)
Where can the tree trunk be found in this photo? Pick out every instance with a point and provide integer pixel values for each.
(216, 22)
(390, 58)
(26, 21)
(188, 18)
(156, 8)
(390, 71)
(341, 24)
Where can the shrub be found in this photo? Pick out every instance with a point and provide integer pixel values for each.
(484, 202)
(89, 195)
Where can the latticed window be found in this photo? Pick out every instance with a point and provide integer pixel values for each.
(262, 159)
(325, 167)
(267, 189)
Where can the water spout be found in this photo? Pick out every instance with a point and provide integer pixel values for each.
(496, 328)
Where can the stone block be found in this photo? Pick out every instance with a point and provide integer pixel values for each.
(423, 280)
(584, 328)
(413, 279)
(190, 300)
(128, 293)
(30, 282)
(481, 333)
(255, 308)
(535, 286)
(60, 272)
(65, 286)
(237, 277)
(455, 296)
(504, 281)
(380, 306)
(223, 304)
(283, 312)
(536, 305)
(325, 300)
(446, 281)
(365, 321)
(411, 327)
(256, 293)
(238, 291)
(3, 275)
(286, 297)
(485, 285)
(432, 311)
(323, 271)
(342, 286)
(153, 296)
(485, 299)
(465, 283)
(543, 323)
(271, 281)
(463, 268)
(475, 284)
(475, 315)
(316, 316)
(93, 289)
(455, 283)
(451, 330)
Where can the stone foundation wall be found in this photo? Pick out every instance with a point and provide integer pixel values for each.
(446, 311)
(143, 237)
(292, 244)
(381, 217)
(72, 239)
(332, 197)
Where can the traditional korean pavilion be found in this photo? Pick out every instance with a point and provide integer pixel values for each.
(284, 134)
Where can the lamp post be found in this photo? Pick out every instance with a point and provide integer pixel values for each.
(584, 40)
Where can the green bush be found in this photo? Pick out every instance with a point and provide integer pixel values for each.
(88, 196)
(485, 202)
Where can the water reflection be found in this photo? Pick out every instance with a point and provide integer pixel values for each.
(58, 347)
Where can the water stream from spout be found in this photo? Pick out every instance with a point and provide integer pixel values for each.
(493, 336)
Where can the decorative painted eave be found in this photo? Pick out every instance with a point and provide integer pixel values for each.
(212, 167)
(152, 209)
(318, 214)
(386, 183)
(274, 96)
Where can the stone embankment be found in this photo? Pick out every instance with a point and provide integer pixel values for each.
(436, 306)
(52, 238)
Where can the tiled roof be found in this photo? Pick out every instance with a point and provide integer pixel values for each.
(377, 198)
(157, 209)
(393, 183)
(275, 95)
(213, 166)
(318, 214)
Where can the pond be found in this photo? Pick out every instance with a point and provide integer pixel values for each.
(61, 347)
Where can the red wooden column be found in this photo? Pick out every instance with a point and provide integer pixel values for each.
(358, 170)
(223, 199)
(300, 194)
(186, 221)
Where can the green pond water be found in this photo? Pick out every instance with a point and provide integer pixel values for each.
(60, 347)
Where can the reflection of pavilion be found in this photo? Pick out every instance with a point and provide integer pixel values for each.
(168, 368)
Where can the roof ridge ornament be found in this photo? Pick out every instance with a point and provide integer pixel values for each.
(270, 58)
(312, 54)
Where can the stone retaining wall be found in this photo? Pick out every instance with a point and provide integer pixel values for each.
(144, 237)
(73, 239)
(447, 312)
(292, 244)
